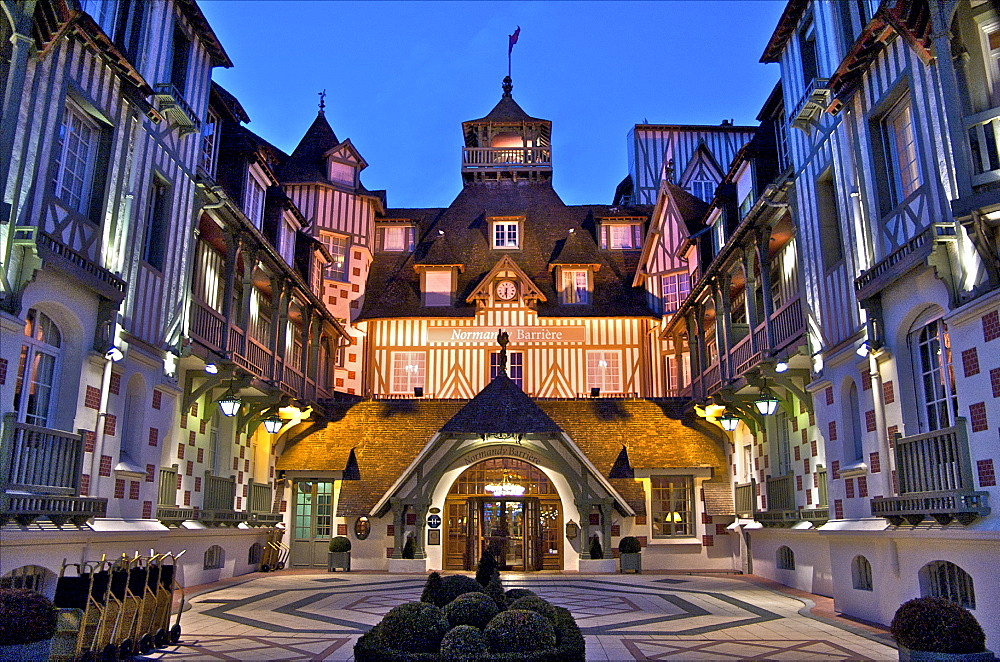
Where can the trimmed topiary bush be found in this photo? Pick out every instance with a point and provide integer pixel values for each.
(464, 642)
(415, 627)
(536, 604)
(487, 566)
(432, 590)
(629, 545)
(519, 631)
(495, 590)
(476, 609)
(937, 625)
(596, 551)
(516, 594)
(340, 544)
(25, 617)
(442, 590)
(408, 548)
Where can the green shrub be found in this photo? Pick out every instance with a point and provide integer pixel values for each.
(340, 544)
(536, 604)
(25, 617)
(408, 548)
(474, 609)
(629, 545)
(414, 627)
(519, 631)
(453, 586)
(596, 551)
(464, 642)
(495, 590)
(516, 594)
(937, 625)
(371, 647)
(487, 566)
(432, 590)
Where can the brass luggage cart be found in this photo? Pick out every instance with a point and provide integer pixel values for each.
(275, 552)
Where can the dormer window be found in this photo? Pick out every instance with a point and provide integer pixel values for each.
(575, 286)
(253, 202)
(621, 235)
(703, 189)
(437, 287)
(506, 233)
(395, 238)
(342, 173)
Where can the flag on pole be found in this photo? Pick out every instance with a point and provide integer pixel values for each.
(513, 40)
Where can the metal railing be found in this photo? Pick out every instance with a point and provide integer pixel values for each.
(984, 145)
(813, 101)
(505, 157)
(171, 99)
(40, 460)
(53, 245)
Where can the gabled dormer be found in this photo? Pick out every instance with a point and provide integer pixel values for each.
(505, 284)
(438, 263)
(573, 266)
(344, 164)
(322, 158)
(702, 175)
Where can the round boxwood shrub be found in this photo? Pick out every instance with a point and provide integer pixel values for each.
(453, 586)
(937, 625)
(629, 545)
(495, 590)
(340, 544)
(517, 593)
(487, 566)
(519, 631)
(474, 609)
(25, 617)
(416, 627)
(536, 604)
(464, 642)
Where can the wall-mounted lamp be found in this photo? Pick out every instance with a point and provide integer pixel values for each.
(230, 403)
(273, 424)
(211, 368)
(729, 422)
(766, 404)
(781, 366)
(862, 349)
(595, 392)
(114, 354)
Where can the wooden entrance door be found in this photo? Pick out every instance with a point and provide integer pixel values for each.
(312, 523)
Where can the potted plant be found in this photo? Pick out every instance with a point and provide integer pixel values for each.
(27, 625)
(631, 554)
(339, 557)
(938, 629)
(597, 562)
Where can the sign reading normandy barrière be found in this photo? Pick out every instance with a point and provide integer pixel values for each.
(518, 334)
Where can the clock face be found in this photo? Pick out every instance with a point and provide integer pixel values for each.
(506, 290)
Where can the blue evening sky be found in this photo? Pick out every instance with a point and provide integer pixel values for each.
(402, 76)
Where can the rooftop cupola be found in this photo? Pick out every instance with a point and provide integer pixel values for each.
(507, 144)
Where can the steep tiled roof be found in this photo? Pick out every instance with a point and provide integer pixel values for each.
(576, 248)
(692, 209)
(388, 435)
(507, 110)
(501, 408)
(306, 163)
(394, 288)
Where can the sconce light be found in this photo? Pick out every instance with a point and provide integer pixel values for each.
(862, 349)
(729, 422)
(572, 530)
(230, 403)
(781, 366)
(418, 391)
(114, 354)
(273, 424)
(595, 392)
(766, 404)
(211, 368)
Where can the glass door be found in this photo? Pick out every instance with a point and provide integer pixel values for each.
(313, 523)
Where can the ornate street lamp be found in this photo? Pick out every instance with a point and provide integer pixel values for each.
(273, 424)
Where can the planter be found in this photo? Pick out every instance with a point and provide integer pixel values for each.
(405, 566)
(338, 561)
(599, 566)
(38, 650)
(905, 654)
(631, 562)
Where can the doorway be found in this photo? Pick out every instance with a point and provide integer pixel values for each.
(312, 524)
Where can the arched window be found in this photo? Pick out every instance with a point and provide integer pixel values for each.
(34, 391)
(32, 577)
(255, 554)
(134, 419)
(944, 579)
(937, 400)
(861, 573)
(785, 558)
(215, 557)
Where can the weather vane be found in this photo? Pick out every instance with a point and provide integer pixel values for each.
(322, 101)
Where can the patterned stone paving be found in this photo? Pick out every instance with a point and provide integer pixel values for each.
(286, 616)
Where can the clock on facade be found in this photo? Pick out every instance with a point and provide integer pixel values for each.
(506, 290)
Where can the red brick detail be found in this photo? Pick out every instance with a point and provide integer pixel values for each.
(110, 424)
(763, 502)
(357, 255)
(720, 530)
(191, 438)
(767, 461)
(593, 518)
(805, 435)
(352, 358)
(197, 484)
(339, 381)
(805, 465)
(89, 441)
(616, 530)
(870, 420)
(809, 497)
(150, 473)
(85, 485)
(838, 509)
(105, 469)
(236, 463)
(835, 467)
(798, 453)
(246, 465)
(243, 452)
(875, 462)
(862, 486)
(201, 455)
(866, 380)
(756, 463)
(707, 541)
(814, 448)
(355, 287)
(187, 497)
(815, 479)
(812, 418)
(977, 416)
(390, 529)
(3, 371)
(119, 488)
(246, 490)
(341, 529)
(388, 552)
(184, 421)
(891, 433)
(991, 326)
(351, 374)
(354, 304)
(970, 362)
(833, 431)
(147, 510)
(115, 385)
(180, 451)
(189, 469)
(640, 520)
(829, 395)
(706, 518)
(180, 481)
(987, 475)
(239, 503)
(133, 490)
(194, 409)
(643, 541)
(283, 507)
(995, 381)
(849, 487)
(798, 482)
(795, 424)
(92, 399)
(157, 398)
(203, 426)
(888, 392)
(239, 477)
(356, 271)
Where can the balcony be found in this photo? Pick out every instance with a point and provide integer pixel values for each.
(781, 510)
(814, 101)
(984, 145)
(40, 471)
(219, 499)
(506, 158)
(259, 506)
(82, 269)
(911, 254)
(746, 499)
(167, 511)
(934, 472)
(172, 103)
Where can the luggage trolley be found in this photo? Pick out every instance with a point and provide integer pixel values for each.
(82, 599)
(275, 552)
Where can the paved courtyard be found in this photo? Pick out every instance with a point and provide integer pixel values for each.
(634, 617)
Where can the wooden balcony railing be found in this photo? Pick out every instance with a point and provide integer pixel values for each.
(813, 102)
(781, 510)
(746, 499)
(291, 380)
(207, 326)
(167, 489)
(787, 324)
(984, 145)
(172, 101)
(476, 158)
(934, 475)
(259, 506)
(219, 499)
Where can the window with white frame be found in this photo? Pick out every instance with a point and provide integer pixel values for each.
(207, 279)
(676, 287)
(944, 579)
(37, 370)
(604, 370)
(515, 367)
(76, 159)
(902, 167)
(621, 236)
(575, 286)
(703, 189)
(336, 270)
(506, 234)
(935, 388)
(408, 371)
(990, 34)
(253, 204)
(437, 288)
(396, 238)
(260, 317)
(210, 142)
(672, 506)
(286, 241)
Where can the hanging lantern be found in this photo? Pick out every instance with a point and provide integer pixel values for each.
(729, 422)
(766, 404)
(273, 424)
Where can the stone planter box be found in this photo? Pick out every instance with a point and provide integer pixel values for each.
(603, 566)
(905, 655)
(404, 566)
(338, 561)
(631, 562)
